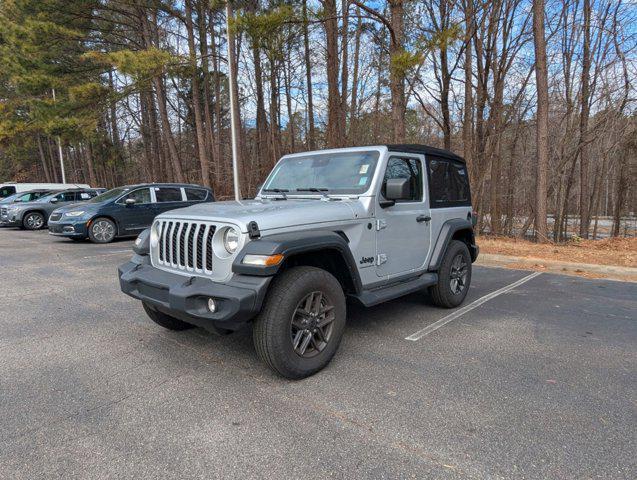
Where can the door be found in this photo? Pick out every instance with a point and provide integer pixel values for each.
(403, 233)
(136, 216)
(168, 198)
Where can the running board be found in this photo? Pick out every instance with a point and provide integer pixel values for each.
(383, 294)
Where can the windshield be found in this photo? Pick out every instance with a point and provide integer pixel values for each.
(11, 198)
(337, 173)
(110, 195)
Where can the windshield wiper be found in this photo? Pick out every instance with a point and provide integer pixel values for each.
(282, 191)
(312, 189)
(315, 190)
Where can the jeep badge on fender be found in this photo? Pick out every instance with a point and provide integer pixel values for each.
(285, 262)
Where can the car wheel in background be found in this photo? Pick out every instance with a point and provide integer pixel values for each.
(33, 221)
(166, 321)
(102, 230)
(302, 322)
(454, 276)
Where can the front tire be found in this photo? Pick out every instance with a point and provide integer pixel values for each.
(33, 221)
(454, 276)
(166, 321)
(302, 321)
(102, 230)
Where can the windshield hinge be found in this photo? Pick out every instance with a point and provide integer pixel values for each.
(381, 223)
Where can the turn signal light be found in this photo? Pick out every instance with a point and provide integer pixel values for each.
(263, 260)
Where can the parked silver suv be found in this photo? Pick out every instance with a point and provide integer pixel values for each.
(368, 223)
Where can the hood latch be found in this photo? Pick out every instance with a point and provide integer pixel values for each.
(253, 230)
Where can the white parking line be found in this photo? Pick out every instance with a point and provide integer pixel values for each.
(445, 320)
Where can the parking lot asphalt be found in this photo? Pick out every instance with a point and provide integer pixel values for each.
(539, 381)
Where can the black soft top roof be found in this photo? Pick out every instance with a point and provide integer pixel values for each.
(424, 150)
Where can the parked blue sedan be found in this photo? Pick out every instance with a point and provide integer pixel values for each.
(123, 211)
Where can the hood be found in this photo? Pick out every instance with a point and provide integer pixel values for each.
(271, 214)
(79, 205)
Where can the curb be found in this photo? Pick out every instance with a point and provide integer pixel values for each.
(612, 272)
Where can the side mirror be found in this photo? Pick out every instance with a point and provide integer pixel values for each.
(396, 189)
(130, 201)
(54, 200)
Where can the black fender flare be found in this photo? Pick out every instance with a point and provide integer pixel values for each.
(448, 230)
(290, 244)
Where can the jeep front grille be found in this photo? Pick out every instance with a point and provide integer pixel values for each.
(185, 245)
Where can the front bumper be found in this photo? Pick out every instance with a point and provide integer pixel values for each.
(186, 298)
(68, 228)
(10, 219)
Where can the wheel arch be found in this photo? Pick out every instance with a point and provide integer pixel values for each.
(454, 229)
(322, 249)
(34, 210)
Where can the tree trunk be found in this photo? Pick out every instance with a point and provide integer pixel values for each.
(542, 129)
(334, 102)
(445, 78)
(311, 135)
(263, 148)
(584, 200)
(467, 114)
(196, 98)
(396, 73)
(344, 67)
(353, 111)
(205, 67)
(43, 161)
(622, 185)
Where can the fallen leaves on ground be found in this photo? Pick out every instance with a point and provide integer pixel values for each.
(611, 251)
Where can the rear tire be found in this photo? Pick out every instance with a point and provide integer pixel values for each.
(102, 230)
(166, 321)
(33, 221)
(301, 323)
(454, 276)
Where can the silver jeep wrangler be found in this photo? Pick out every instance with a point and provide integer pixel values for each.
(367, 223)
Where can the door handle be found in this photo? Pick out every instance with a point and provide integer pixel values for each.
(423, 218)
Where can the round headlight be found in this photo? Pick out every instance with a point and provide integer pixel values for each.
(231, 240)
(154, 234)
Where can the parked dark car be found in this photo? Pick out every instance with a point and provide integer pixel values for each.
(33, 215)
(124, 211)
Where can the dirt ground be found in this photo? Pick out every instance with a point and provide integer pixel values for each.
(612, 251)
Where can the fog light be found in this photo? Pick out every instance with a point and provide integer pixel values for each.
(212, 305)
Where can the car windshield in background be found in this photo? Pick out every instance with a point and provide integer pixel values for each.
(110, 195)
(337, 173)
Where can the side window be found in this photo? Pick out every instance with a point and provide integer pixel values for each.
(196, 194)
(86, 196)
(168, 194)
(140, 196)
(67, 197)
(410, 168)
(448, 184)
(6, 191)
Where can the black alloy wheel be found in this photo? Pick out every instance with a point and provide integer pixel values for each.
(312, 324)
